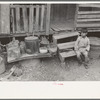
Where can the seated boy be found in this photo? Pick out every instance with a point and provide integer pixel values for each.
(82, 47)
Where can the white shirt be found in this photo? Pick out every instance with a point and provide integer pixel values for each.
(82, 43)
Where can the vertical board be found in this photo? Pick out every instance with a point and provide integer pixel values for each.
(13, 20)
(5, 19)
(31, 17)
(18, 19)
(76, 16)
(48, 19)
(42, 17)
(37, 18)
(0, 18)
(25, 19)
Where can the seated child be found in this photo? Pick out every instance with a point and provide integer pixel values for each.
(82, 47)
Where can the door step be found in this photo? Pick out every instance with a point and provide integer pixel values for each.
(65, 49)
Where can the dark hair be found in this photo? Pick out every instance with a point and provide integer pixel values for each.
(84, 30)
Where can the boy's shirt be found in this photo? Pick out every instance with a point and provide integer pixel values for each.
(82, 44)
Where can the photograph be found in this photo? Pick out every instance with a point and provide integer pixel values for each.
(49, 50)
(50, 42)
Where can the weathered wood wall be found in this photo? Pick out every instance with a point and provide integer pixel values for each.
(4, 19)
(62, 11)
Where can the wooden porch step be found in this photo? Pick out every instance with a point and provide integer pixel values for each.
(65, 35)
(64, 55)
(66, 45)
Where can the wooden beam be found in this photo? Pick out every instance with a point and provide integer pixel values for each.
(27, 56)
(48, 19)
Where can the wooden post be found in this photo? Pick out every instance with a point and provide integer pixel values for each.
(5, 19)
(48, 19)
(76, 16)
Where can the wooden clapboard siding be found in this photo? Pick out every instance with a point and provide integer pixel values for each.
(90, 5)
(89, 25)
(5, 19)
(31, 17)
(88, 12)
(89, 18)
(97, 16)
(42, 17)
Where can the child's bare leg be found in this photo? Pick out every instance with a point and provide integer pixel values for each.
(79, 57)
(86, 59)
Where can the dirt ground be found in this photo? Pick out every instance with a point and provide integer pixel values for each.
(49, 69)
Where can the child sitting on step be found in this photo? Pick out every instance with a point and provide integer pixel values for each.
(82, 47)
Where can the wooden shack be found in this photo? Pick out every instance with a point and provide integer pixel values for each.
(44, 19)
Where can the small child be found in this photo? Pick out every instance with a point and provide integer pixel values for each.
(82, 47)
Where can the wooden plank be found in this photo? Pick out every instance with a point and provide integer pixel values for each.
(13, 21)
(88, 16)
(76, 15)
(37, 18)
(88, 20)
(66, 45)
(18, 19)
(54, 28)
(90, 5)
(5, 19)
(94, 30)
(67, 54)
(88, 25)
(65, 35)
(22, 6)
(25, 19)
(27, 56)
(89, 12)
(42, 17)
(48, 19)
(31, 17)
